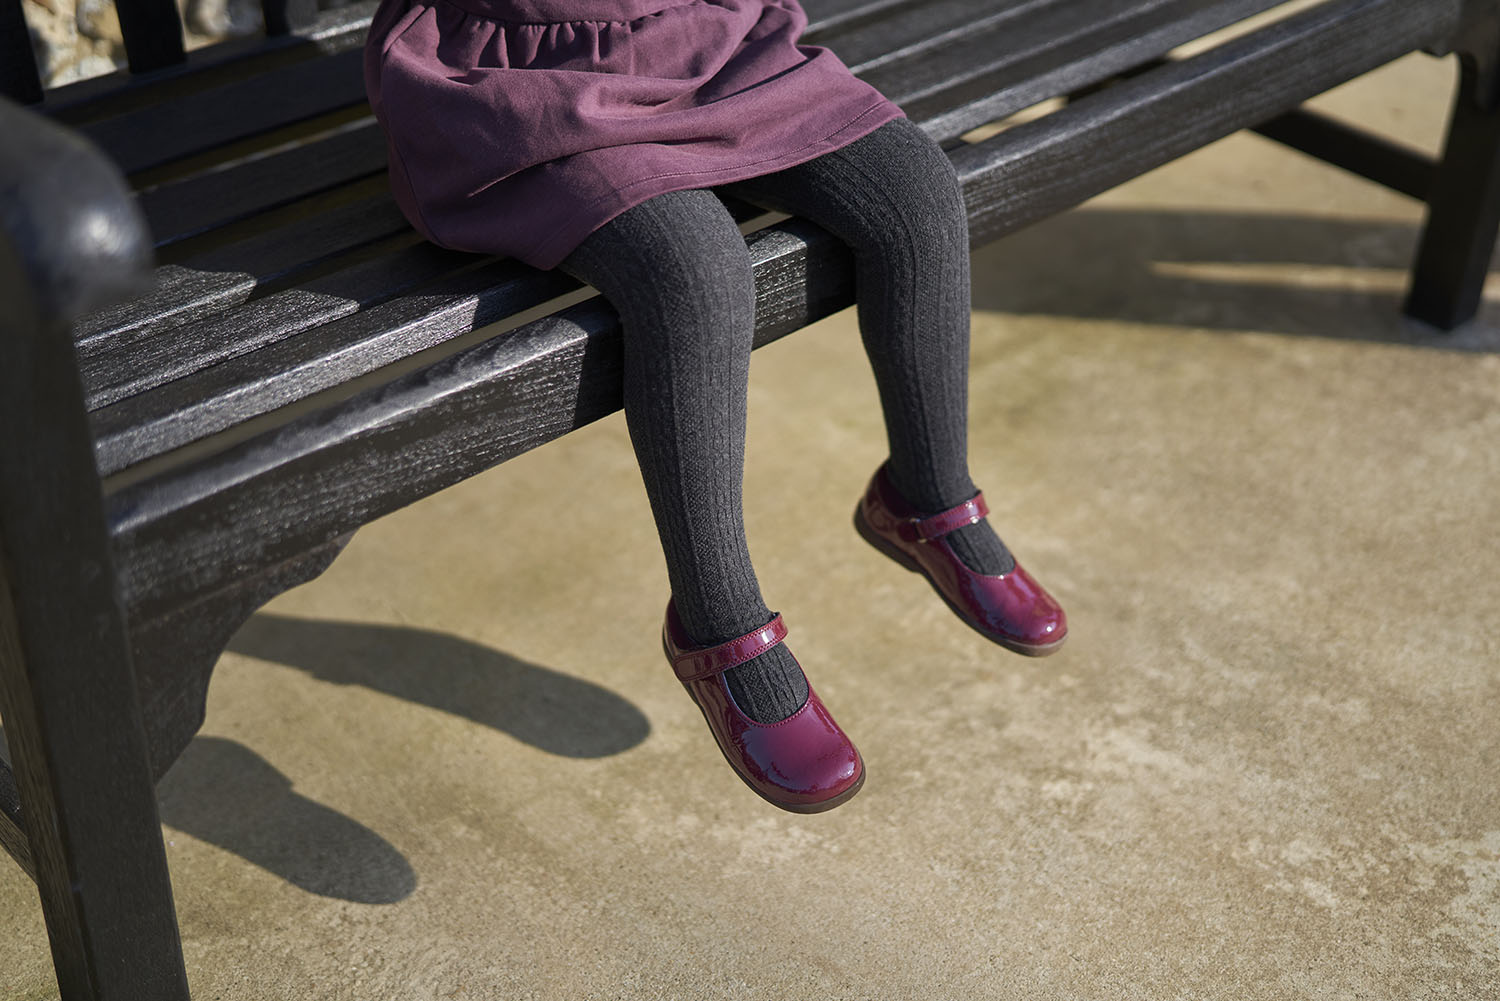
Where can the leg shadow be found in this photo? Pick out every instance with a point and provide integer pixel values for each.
(222, 792)
(544, 708)
(225, 794)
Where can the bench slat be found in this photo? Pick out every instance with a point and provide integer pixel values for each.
(123, 415)
(903, 30)
(1010, 64)
(219, 279)
(157, 134)
(181, 208)
(344, 345)
(1043, 167)
(825, 16)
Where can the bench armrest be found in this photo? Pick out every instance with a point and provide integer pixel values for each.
(72, 238)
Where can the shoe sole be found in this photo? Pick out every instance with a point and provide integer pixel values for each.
(819, 807)
(893, 552)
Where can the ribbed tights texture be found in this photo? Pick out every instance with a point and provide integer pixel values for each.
(677, 270)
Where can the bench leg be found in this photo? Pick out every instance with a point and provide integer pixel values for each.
(1463, 213)
(68, 695)
(88, 805)
(87, 801)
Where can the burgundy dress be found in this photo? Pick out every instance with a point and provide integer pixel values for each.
(518, 127)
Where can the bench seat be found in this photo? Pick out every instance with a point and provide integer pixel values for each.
(251, 319)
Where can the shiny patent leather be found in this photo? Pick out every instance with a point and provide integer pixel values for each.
(1011, 609)
(804, 763)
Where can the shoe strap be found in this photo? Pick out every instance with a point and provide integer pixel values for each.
(938, 525)
(695, 665)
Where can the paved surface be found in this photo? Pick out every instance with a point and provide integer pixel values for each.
(1264, 766)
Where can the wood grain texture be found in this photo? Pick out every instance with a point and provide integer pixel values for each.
(1043, 167)
(1072, 50)
(251, 361)
(178, 296)
(127, 366)
(224, 277)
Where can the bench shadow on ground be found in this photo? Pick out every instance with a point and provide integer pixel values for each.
(224, 793)
(1311, 276)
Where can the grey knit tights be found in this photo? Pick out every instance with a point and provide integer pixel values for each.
(677, 271)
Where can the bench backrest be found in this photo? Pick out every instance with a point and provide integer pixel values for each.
(150, 29)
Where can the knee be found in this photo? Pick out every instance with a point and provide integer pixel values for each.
(683, 262)
(705, 267)
(914, 193)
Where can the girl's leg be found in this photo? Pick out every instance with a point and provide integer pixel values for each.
(893, 197)
(677, 271)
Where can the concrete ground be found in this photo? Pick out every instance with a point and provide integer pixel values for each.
(1264, 766)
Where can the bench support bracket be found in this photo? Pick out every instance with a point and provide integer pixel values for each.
(175, 655)
(1463, 209)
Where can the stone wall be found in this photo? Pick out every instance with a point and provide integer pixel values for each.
(74, 39)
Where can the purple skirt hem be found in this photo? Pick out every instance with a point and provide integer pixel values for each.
(550, 252)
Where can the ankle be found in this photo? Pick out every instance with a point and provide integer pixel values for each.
(928, 494)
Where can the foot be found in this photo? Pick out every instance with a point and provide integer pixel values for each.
(1010, 608)
(805, 763)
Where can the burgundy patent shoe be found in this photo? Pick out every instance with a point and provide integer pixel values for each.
(804, 763)
(1012, 609)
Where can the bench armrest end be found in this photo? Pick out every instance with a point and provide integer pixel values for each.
(72, 238)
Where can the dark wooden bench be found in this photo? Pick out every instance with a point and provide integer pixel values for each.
(178, 448)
